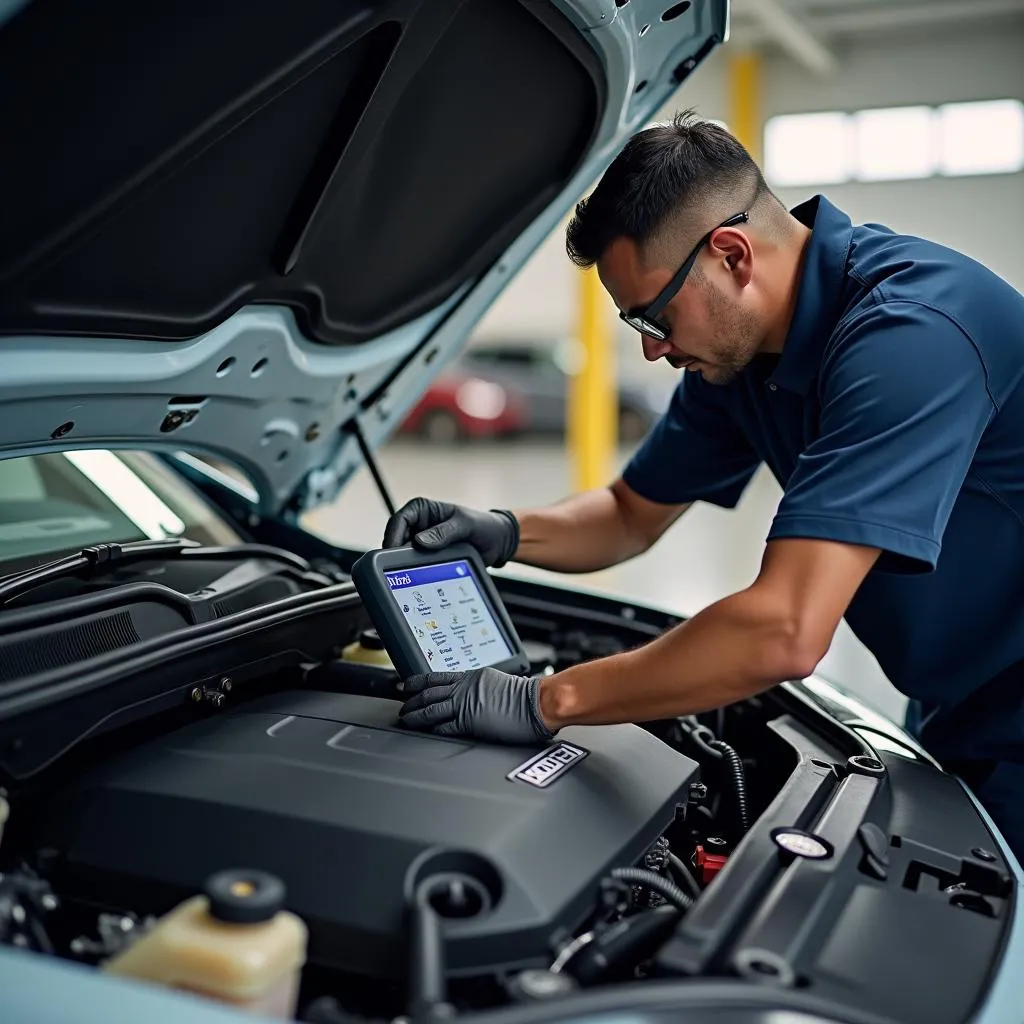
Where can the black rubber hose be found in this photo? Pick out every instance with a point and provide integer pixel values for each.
(701, 735)
(659, 883)
(706, 746)
(739, 781)
(427, 961)
(683, 875)
(617, 949)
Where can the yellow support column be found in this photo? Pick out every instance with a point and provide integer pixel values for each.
(745, 101)
(592, 420)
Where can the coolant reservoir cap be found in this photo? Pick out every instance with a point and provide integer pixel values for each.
(371, 640)
(242, 896)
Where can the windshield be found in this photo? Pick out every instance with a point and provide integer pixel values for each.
(52, 504)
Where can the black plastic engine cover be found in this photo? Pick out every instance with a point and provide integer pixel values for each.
(351, 811)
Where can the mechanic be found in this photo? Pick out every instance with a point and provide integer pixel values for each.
(879, 376)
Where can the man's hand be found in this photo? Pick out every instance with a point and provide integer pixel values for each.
(433, 525)
(485, 703)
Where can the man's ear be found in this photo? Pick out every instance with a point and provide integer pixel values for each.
(734, 248)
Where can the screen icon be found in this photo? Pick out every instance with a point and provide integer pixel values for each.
(460, 570)
(432, 624)
(417, 596)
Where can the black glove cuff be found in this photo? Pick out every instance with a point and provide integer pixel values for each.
(543, 731)
(513, 538)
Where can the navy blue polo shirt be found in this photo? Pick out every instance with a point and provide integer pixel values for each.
(894, 418)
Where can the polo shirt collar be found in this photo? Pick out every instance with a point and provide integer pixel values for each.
(821, 287)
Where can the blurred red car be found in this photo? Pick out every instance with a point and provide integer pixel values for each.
(518, 386)
(459, 405)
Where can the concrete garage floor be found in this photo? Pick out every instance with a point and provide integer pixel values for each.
(707, 555)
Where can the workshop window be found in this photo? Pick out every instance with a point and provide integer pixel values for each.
(891, 144)
(981, 138)
(806, 149)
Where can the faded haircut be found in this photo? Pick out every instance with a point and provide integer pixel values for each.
(671, 179)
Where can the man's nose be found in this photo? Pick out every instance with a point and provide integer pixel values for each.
(654, 348)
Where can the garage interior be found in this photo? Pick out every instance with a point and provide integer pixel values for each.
(269, 744)
(922, 102)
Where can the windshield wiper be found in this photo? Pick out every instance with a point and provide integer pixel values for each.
(98, 556)
(102, 557)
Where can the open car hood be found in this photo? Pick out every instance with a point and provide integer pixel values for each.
(257, 230)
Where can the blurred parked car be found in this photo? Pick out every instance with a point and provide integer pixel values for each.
(533, 378)
(460, 405)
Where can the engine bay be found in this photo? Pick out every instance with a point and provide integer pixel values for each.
(242, 778)
(572, 862)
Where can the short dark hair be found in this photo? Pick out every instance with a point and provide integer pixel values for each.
(688, 164)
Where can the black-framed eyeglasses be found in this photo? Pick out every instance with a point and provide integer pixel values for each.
(645, 318)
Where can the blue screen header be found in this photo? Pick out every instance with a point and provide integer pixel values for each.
(420, 577)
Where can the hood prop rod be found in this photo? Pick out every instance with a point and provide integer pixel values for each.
(371, 464)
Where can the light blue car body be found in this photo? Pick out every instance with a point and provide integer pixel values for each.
(39, 374)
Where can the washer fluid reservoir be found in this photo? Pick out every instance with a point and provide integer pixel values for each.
(234, 944)
(368, 650)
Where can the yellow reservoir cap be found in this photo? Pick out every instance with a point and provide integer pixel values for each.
(367, 650)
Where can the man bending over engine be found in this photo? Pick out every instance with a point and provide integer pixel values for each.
(880, 377)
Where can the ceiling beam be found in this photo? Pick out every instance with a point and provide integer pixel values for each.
(878, 17)
(777, 22)
(865, 18)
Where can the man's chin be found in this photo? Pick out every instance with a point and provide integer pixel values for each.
(715, 374)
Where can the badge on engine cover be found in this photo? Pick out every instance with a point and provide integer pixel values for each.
(544, 768)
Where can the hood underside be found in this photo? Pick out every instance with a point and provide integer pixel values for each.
(237, 228)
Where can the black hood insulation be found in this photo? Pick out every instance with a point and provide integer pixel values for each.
(166, 164)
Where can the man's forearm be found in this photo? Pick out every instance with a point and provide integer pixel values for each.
(593, 530)
(584, 533)
(731, 650)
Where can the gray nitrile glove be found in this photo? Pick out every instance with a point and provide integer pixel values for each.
(433, 525)
(485, 703)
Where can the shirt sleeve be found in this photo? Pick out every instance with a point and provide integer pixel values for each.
(904, 403)
(696, 451)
